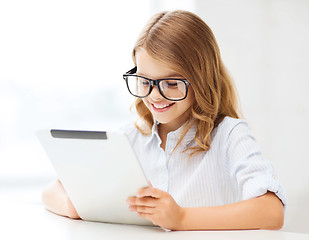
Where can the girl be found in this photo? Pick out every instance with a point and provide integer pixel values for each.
(204, 164)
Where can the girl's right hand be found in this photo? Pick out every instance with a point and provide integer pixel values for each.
(56, 200)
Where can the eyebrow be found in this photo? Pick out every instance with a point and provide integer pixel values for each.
(172, 75)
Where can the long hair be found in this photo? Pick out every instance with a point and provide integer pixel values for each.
(184, 43)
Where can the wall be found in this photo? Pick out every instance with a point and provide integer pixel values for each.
(61, 66)
(264, 45)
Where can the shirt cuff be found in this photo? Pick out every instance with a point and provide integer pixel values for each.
(258, 186)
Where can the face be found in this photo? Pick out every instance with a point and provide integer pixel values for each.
(168, 113)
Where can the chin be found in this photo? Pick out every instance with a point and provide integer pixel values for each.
(162, 120)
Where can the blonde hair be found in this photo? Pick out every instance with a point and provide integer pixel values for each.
(185, 44)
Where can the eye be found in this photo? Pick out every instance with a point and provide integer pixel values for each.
(143, 82)
(170, 84)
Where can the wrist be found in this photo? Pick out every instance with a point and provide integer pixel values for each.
(182, 219)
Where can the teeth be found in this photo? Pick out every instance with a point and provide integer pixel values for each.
(161, 106)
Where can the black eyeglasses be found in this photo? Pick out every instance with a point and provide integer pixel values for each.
(173, 89)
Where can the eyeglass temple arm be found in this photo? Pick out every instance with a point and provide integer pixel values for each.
(132, 71)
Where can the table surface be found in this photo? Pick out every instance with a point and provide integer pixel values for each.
(21, 220)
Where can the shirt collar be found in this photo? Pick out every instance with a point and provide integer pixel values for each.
(154, 134)
(189, 135)
(187, 139)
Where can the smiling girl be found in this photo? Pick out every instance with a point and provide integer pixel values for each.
(205, 166)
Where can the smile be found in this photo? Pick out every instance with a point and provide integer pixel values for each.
(161, 107)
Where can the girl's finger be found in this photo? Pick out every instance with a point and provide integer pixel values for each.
(147, 216)
(141, 209)
(149, 192)
(145, 201)
(144, 209)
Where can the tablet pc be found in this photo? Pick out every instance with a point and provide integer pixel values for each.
(99, 171)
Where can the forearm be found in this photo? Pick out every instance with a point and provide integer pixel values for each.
(265, 212)
(57, 201)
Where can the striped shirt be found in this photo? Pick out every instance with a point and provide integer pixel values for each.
(233, 169)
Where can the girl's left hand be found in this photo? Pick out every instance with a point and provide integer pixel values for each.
(157, 206)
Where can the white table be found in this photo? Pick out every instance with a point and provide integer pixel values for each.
(21, 220)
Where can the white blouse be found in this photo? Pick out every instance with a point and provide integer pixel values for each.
(233, 169)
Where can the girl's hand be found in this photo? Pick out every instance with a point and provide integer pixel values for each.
(157, 206)
(56, 200)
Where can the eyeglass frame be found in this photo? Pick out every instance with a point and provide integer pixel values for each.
(154, 83)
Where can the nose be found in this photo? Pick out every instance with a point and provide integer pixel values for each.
(155, 94)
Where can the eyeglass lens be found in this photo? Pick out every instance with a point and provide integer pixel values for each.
(171, 89)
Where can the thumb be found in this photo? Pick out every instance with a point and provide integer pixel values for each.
(150, 183)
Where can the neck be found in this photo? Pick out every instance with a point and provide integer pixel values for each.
(172, 126)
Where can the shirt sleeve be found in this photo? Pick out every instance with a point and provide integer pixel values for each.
(254, 174)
